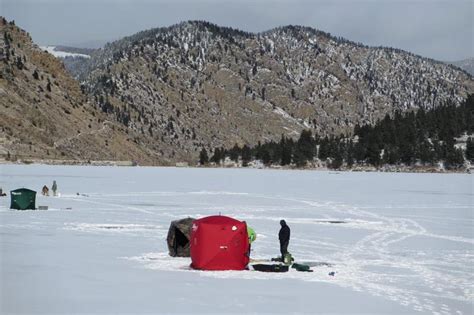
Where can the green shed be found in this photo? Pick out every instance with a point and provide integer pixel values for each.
(23, 199)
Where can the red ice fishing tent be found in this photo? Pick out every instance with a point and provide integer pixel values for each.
(219, 243)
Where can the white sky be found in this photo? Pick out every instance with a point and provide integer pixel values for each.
(440, 29)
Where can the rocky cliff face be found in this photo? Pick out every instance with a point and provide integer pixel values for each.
(44, 113)
(196, 85)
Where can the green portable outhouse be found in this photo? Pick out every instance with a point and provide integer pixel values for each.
(23, 199)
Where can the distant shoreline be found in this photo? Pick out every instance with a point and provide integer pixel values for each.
(355, 169)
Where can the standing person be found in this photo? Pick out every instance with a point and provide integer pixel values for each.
(284, 237)
(54, 188)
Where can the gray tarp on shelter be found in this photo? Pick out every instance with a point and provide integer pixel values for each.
(179, 234)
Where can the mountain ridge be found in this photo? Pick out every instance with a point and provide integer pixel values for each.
(290, 27)
(291, 77)
(45, 114)
(169, 92)
(465, 64)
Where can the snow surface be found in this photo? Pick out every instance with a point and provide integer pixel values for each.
(406, 244)
(62, 54)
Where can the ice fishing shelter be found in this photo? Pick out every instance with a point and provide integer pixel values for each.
(178, 238)
(23, 199)
(219, 243)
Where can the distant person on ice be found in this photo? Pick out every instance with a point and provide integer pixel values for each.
(45, 191)
(54, 188)
(284, 236)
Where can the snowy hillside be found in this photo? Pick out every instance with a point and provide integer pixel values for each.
(196, 84)
(405, 244)
(62, 54)
(466, 64)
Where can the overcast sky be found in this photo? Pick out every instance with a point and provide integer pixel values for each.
(440, 29)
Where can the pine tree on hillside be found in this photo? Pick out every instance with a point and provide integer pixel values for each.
(425, 152)
(454, 157)
(266, 158)
(203, 157)
(246, 155)
(275, 152)
(324, 149)
(217, 156)
(350, 154)
(19, 63)
(299, 157)
(373, 154)
(306, 145)
(234, 153)
(360, 150)
(286, 147)
(337, 160)
(470, 150)
(425, 136)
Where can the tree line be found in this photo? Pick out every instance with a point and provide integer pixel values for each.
(425, 137)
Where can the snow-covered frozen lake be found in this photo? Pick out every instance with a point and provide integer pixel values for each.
(407, 244)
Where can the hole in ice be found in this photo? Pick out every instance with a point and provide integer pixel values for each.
(331, 221)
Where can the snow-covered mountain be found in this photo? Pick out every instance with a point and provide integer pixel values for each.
(196, 84)
(60, 52)
(172, 91)
(72, 57)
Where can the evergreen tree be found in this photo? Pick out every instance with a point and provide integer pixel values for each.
(258, 151)
(454, 157)
(373, 154)
(425, 152)
(304, 149)
(337, 160)
(470, 150)
(393, 156)
(234, 153)
(306, 145)
(286, 146)
(217, 156)
(246, 155)
(350, 154)
(266, 158)
(275, 152)
(203, 157)
(19, 63)
(407, 153)
(299, 157)
(324, 149)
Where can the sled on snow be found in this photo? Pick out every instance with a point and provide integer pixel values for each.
(270, 268)
(301, 267)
